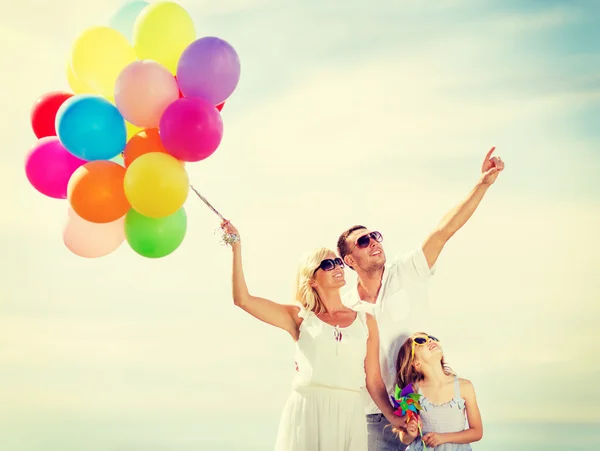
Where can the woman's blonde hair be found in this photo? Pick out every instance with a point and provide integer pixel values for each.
(406, 371)
(305, 293)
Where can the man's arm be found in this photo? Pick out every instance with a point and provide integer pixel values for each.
(459, 215)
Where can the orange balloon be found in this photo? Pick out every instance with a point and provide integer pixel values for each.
(96, 192)
(142, 143)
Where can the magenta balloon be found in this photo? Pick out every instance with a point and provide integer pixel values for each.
(208, 68)
(191, 129)
(49, 167)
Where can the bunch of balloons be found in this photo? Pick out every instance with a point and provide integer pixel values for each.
(146, 98)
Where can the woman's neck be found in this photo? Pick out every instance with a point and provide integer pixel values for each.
(332, 301)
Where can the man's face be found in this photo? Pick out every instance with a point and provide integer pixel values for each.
(365, 255)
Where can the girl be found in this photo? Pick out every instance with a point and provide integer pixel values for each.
(337, 355)
(448, 402)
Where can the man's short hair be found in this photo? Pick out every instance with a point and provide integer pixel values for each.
(342, 245)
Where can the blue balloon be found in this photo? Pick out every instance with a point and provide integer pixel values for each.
(91, 128)
(124, 19)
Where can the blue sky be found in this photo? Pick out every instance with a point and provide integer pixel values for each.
(356, 114)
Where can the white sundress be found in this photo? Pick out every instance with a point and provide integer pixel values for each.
(325, 411)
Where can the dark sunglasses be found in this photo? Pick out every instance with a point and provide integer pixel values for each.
(330, 263)
(365, 240)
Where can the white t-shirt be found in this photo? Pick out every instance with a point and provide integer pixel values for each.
(401, 309)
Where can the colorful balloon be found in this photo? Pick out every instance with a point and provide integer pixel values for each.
(208, 68)
(143, 91)
(124, 18)
(49, 167)
(220, 106)
(155, 237)
(131, 130)
(161, 33)
(92, 240)
(96, 192)
(91, 128)
(191, 129)
(142, 143)
(43, 113)
(76, 85)
(99, 55)
(156, 185)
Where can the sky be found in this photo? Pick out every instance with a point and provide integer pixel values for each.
(372, 113)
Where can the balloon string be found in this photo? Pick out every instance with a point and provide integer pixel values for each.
(228, 238)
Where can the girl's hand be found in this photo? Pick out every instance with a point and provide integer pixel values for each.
(230, 229)
(398, 423)
(434, 439)
(412, 429)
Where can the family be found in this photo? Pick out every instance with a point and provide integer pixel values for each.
(352, 351)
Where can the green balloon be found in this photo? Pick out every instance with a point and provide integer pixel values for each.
(155, 237)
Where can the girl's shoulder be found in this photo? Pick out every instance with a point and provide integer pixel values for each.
(466, 387)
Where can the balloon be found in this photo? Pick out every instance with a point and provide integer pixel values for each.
(155, 238)
(156, 185)
(161, 33)
(96, 192)
(142, 143)
(191, 129)
(91, 128)
(143, 91)
(43, 113)
(208, 68)
(132, 130)
(91, 240)
(124, 18)
(220, 106)
(76, 85)
(49, 167)
(99, 55)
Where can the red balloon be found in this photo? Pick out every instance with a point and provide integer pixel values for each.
(180, 94)
(43, 112)
(220, 106)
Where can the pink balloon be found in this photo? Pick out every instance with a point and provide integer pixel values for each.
(91, 240)
(143, 91)
(191, 129)
(49, 167)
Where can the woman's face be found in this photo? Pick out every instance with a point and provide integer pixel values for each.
(330, 274)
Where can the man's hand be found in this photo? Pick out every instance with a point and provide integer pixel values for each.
(491, 167)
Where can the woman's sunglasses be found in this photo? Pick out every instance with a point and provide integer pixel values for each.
(330, 263)
(365, 240)
(421, 340)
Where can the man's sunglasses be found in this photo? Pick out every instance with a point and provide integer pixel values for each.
(330, 263)
(421, 340)
(364, 241)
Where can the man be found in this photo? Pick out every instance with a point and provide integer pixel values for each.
(395, 293)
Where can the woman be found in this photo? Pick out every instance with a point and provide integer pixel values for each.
(337, 355)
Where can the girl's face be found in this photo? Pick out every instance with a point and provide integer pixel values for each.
(427, 348)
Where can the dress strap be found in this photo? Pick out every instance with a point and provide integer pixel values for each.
(303, 313)
(456, 388)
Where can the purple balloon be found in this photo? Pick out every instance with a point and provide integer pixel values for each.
(191, 129)
(208, 68)
(49, 167)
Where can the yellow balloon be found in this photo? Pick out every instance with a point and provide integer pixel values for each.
(76, 85)
(162, 32)
(132, 130)
(156, 184)
(98, 56)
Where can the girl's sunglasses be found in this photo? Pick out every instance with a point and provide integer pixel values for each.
(365, 240)
(421, 340)
(330, 263)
